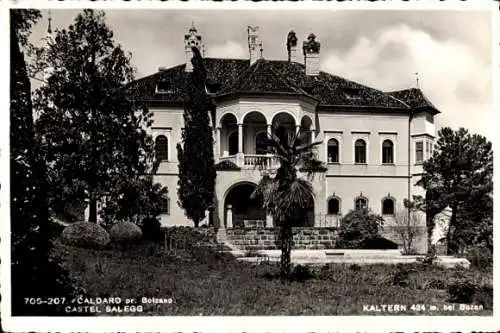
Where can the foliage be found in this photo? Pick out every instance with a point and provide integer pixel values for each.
(430, 257)
(32, 262)
(151, 229)
(480, 257)
(461, 290)
(434, 283)
(286, 196)
(95, 139)
(197, 173)
(315, 166)
(459, 174)
(407, 221)
(86, 235)
(359, 228)
(302, 273)
(400, 276)
(125, 233)
(135, 200)
(226, 166)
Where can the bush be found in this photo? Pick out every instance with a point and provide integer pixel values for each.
(430, 257)
(302, 273)
(227, 166)
(400, 276)
(434, 283)
(480, 257)
(359, 229)
(85, 234)
(484, 296)
(125, 233)
(461, 290)
(151, 229)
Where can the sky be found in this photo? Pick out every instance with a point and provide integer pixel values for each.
(450, 50)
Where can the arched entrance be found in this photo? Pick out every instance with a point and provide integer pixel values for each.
(245, 210)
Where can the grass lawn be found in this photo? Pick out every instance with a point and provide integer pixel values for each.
(206, 283)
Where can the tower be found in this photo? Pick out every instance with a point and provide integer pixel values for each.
(192, 39)
(49, 38)
(254, 45)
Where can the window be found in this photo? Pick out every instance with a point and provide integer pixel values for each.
(361, 203)
(161, 148)
(333, 151)
(387, 152)
(387, 206)
(233, 143)
(261, 143)
(333, 206)
(165, 209)
(419, 152)
(360, 151)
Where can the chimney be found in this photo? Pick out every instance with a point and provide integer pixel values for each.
(311, 55)
(192, 38)
(291, 46)
(254, 45)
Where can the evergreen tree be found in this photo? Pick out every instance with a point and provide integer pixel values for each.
(196, 156)
(36, 272)
(459, 175)
(94, 137)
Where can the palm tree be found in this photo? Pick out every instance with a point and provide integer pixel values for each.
(286, 196)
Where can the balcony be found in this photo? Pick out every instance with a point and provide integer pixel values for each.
(253, 161)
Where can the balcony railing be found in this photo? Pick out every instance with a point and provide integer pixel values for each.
(253, 161)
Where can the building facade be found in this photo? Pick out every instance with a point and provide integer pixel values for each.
(373, 143)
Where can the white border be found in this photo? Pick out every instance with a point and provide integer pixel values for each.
(230, 324)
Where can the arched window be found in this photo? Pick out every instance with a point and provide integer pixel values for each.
(261, 143)
(233, 143)
(387, 152)
(165, 209)
(161, 148)
(333, 151)
(360, 151)
(387, 206)
(333, 206)
(361, 203)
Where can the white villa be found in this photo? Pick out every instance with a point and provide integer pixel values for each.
(373, 142)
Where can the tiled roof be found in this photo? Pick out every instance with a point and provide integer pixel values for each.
(414, 97)
(236, 76)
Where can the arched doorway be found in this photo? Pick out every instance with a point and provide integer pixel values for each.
(244, 208)
(229, 135)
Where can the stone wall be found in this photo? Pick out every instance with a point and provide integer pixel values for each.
(268, 238)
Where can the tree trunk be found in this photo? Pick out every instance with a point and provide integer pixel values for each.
(93, 210)
(286, 238)
(450, 242)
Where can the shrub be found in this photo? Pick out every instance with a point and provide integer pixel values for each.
(359, 229)
(484, 296)
(461, 290)
(151, 229)
(227, 166)
(85, 234)
(125, 233)
(480, 257)
(430, 258)
(302, 273)
(434, 283)
(400, 276)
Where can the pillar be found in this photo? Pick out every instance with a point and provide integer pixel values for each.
(312, 135)
(269, 130)
(297, 128)
(240, 138)
(229, 216)
(269, 221)
(217, 143)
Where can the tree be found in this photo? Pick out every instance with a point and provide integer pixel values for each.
(459, 174)
(36, 272)
(94, 136)
(407, 220)
(286, 196)
(196, 156)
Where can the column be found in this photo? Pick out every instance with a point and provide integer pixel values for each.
(297, 128)
(240, 138)
(312, 135)
(229, 217)
(269, 130)
(218, 144)
(269, 221)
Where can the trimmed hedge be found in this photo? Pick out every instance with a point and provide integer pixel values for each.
(85, 234)
(125, 232)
